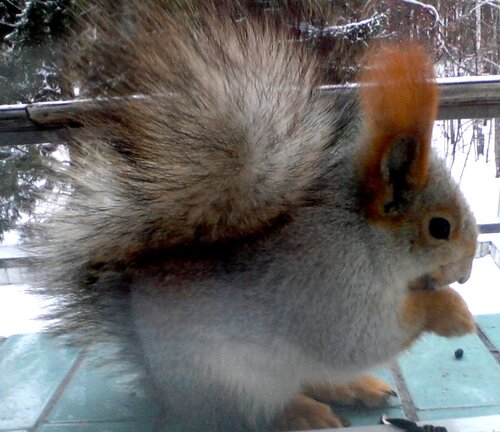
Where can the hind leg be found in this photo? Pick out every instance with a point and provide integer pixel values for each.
(305, 413)
(367, 390)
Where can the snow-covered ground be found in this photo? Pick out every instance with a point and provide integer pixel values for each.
(18, 309)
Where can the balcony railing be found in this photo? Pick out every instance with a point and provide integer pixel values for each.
(48, 122)
(465, 97)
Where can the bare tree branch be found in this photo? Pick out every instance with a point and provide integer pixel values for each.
(496, 65)
(362, 27)
(431, 9)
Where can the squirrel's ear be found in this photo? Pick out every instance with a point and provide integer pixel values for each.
(399, 98)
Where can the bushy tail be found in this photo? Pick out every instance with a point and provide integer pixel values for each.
(212, 130)
(232, 135)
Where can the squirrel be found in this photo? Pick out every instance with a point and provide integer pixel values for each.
(257, 242)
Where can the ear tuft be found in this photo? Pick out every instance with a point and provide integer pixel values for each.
(399, 102)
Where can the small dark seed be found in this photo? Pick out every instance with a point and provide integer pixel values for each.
(459, 353)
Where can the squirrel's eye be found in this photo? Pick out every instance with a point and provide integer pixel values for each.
(439, 228)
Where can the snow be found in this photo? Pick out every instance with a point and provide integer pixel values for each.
(469, 79)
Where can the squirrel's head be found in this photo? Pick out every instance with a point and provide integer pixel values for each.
(440, 230)
(407, 191)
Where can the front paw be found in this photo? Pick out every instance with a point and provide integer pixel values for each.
(304, 413)
(448, 315)
(367, 390)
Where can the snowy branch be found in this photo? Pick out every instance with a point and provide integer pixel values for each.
(6, 24)
(359, 28)
(496, 65)
(13, 5)
(429, 8)
(495, 4)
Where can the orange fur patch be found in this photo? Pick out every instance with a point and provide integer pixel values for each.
(443, 312)
(367, 390)
(399, 98)
(304, 413)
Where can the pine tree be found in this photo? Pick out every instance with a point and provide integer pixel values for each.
(31, 34)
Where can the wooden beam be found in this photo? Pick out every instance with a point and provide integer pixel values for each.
(16, 126)
(466, 97)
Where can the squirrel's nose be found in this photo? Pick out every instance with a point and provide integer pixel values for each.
(464, 278)
(464, 272)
